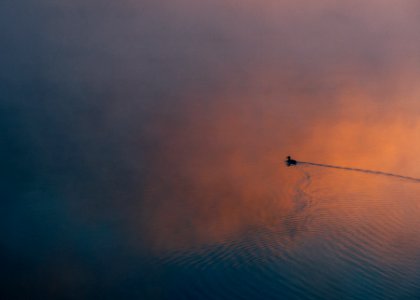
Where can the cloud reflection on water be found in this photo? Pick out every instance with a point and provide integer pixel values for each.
(165, 123)
(226, 171)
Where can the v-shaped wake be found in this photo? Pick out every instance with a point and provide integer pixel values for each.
(360, 170)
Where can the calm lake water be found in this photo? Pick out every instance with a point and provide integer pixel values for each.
(356, 240)
(143, 146)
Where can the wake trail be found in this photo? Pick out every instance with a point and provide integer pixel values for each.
(301, 197)
(361, 170)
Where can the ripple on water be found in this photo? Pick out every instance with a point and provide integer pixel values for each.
(354, 242)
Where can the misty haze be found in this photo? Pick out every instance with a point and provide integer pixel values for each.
(144, 143)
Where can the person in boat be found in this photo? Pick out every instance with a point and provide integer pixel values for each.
(290, 162)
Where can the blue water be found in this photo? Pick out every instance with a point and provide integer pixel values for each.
(142, 142)
(352, 244)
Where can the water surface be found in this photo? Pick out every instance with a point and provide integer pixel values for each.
(351, 242)
(143, 146)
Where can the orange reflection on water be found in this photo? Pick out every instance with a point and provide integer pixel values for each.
(221, 172)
